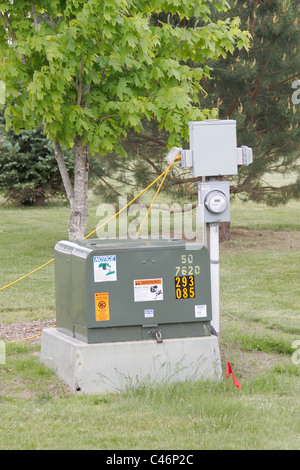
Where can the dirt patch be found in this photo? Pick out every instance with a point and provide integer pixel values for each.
(31, 330)
(260, 240)
(251, 364)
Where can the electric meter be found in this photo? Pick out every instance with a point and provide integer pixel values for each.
(216, 202)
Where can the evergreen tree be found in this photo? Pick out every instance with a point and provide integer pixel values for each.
(28, 168)
(255, 88)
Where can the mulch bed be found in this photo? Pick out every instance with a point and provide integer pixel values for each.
(17, 331)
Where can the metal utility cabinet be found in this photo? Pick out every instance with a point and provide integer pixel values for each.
(124, 290)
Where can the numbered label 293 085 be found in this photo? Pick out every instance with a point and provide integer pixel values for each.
(184, 287)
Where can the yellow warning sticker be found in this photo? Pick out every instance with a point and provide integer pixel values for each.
(101, 306)
(148, 289)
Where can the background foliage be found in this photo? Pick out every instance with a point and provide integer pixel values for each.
(254, 87)
(28, 169)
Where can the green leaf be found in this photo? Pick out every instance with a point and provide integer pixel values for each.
(2, 92)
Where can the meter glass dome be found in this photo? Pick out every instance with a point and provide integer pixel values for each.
(216, 202)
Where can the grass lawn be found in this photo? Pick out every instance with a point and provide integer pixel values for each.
(260, 298)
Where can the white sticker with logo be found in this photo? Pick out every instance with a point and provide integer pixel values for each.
(105, 268)
(200, 311)
(149, 313)
(148, 289)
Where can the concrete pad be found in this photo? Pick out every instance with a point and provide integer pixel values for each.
(111, 367)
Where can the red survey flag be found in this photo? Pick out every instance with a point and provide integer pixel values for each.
(229, 371)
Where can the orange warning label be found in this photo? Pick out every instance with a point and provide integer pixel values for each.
(101, 306)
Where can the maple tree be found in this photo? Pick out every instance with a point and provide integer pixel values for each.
(90, 71)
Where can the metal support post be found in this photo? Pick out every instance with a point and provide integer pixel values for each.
(215, 275)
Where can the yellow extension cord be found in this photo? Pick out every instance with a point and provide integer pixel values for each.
(164, 174)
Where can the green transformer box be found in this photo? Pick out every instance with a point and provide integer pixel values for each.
(124, 290)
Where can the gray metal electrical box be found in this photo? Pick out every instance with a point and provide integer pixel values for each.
(123, 290)
(214, 147)
(214, 201)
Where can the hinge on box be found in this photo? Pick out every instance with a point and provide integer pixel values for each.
(244, 155)
(186, 158)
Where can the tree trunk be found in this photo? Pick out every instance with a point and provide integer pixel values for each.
(63, 171)
(224, 231)
(79, 206)
(77, 195)
(40, 200)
